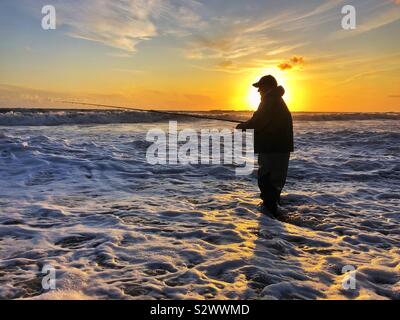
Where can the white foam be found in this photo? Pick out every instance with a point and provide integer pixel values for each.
(39, 117)
(83, 199)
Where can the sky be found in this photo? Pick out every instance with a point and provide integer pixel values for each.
(201, 54)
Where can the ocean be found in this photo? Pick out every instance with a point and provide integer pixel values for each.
(77, 194)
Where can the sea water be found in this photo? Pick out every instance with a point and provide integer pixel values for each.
(77, 194)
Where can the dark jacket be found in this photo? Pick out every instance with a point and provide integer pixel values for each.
(272, 124)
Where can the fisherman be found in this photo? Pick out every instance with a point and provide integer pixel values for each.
(273, 141)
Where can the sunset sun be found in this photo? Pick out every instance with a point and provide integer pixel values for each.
(253, 96)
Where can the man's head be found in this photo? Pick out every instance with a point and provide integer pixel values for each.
(265, 84)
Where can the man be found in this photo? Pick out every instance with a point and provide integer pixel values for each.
(273, 141)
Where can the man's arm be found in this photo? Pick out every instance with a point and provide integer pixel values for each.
(260, 120)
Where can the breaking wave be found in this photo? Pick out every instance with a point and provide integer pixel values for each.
(32, 117)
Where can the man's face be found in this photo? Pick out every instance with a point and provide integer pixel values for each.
(263, 90)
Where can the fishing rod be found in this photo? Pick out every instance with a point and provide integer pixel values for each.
(153, 111)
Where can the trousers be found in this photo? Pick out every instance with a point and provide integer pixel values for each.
(272, 174)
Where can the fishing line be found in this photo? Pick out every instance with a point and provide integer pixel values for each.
(153, 111)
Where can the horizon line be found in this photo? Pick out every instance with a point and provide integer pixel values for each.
(177, 110)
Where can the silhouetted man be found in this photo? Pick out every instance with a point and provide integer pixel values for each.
(273, 140)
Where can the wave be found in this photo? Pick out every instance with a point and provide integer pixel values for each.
(75, 117)
(41, 117)
(347, 116)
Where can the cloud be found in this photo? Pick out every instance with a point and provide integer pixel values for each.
(285, 66)
(374, 17)
(123, 24)
(295, 61)
(235, 48)
(259, 39)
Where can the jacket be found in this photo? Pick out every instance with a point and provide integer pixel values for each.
(272, 124)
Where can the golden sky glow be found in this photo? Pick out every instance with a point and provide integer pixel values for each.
(201, 55)
(283, 78)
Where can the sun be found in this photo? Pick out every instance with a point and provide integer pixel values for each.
(253, 96)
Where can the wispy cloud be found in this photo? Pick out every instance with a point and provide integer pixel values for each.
(123, 24)
(240, 42)
(374, 16)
